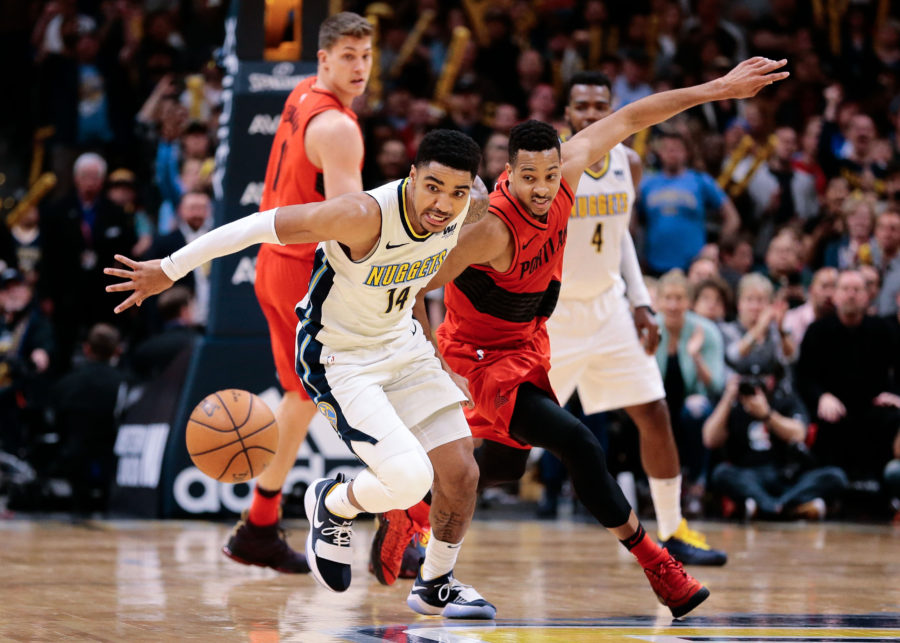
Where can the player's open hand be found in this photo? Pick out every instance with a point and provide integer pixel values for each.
(750, 76)
(145, 278)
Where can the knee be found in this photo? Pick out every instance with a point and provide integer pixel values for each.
(892, 471)
(652, 417)
(459, 480)
(407, 477)
(836, 477)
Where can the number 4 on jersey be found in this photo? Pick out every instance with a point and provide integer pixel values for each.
(597, 239)
(399, 302)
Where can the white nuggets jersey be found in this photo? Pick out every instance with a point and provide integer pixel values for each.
(357, 304)
(597, 225)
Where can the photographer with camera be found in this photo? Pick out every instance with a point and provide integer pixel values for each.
(766, 465)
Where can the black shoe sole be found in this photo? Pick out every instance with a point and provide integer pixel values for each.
(240, 560)
(696, 599)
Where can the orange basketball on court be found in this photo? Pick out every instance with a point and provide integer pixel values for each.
(231, 436)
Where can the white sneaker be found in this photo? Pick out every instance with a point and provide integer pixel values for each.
(328, 549)
(445, 596)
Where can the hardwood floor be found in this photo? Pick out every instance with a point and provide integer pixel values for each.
(557, 581)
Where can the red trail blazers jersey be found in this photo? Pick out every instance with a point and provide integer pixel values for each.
(291, 178)
(500, 310)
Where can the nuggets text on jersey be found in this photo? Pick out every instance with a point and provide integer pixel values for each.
(599, 205)
(399, 273)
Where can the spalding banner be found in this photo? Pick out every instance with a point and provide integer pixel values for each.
(253, 97)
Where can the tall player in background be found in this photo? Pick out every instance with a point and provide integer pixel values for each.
(317, 154)
(595, 344)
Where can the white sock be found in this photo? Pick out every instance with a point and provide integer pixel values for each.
(440, 558)
(666, 494)
(338, 502)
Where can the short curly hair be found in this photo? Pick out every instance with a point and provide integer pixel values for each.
(531, 136)
(451, 148)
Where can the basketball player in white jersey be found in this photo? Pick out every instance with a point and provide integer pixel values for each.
(596, 346)
(365, 360)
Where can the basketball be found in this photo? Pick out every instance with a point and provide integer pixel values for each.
(231, 436)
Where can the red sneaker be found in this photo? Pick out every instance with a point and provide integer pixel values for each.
(674, 587)
(414, 553)
(395, 529)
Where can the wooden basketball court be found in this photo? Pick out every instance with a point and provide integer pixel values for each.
(551, 581)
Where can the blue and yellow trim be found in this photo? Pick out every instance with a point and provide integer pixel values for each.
(404, 213)
(604, 168)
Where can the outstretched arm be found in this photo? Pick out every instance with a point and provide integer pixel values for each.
(352, 219)
(487, 242)
(590, 144)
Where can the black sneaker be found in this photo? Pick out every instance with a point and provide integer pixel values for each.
(328, 544)
(689, 547)
(264, 546)
(445, 596)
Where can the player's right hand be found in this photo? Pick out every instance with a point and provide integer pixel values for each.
(463, 385)
(146, 278)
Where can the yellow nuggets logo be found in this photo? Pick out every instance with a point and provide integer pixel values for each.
(600, 205)
(400, 273)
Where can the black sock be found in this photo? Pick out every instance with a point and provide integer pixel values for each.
(634, 539)
(266, 493)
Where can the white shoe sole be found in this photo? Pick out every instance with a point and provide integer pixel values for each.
(451, 610)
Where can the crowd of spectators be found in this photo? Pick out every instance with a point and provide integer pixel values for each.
(769, 229)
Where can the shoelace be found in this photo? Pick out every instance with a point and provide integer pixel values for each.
(339, 534)
(454, 585)
(664, 570)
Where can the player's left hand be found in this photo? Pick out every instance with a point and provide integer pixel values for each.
(751, 75)
(146, 278)
(647, 328)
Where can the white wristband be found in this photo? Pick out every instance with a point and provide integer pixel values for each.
(224, 240)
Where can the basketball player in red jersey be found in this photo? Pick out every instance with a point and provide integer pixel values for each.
(505, 275)
(317, 154)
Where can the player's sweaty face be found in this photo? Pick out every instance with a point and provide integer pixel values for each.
(439, 193)
(587, 104)
(534, 178)
(348, 64)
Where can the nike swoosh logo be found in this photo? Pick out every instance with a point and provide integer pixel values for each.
(525, 245)
(316, 522)
(391, 246)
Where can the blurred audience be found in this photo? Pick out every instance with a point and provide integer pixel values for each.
(847, 377)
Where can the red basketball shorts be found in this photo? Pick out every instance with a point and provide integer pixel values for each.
(494, 377)
(281, 282)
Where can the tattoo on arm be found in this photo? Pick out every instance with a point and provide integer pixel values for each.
(478, 203)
